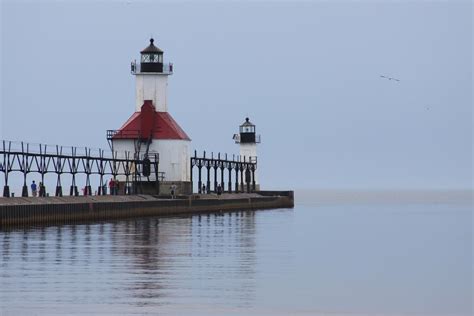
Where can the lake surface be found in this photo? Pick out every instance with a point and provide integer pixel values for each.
(335, 253)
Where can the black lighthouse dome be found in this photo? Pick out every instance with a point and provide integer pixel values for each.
(151, 58)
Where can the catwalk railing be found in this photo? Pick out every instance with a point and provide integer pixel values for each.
(243, 168)
(25, 158)
(136, 68)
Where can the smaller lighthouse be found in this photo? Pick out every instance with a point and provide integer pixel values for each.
(248, 140)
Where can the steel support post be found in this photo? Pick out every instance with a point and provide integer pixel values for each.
(236, 179)
(230, 180)
(199, 180)
(222, 178)
(6, 191)
(247, 179)
(208, 183)
(24, 191)
(253, 180)
(215, 178)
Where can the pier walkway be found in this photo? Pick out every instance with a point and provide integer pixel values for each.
(23, 211)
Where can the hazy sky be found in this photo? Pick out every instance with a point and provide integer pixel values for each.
(306, 73)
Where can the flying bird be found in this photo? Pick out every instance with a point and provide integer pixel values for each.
(389, 78)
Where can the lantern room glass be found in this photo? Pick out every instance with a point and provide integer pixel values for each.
(152, 58)
(247, 129)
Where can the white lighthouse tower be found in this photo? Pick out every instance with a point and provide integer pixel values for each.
(152, 78)
(151, 129)
(248, 140)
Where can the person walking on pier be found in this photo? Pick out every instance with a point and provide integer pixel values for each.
(34, 188)
(203, 189)
(112, 186)
(42, 190)
(173, 191)
(116, 187)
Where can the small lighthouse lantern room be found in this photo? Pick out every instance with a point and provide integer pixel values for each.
(247, 132)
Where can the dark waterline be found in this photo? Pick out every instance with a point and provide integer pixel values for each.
(378, 256)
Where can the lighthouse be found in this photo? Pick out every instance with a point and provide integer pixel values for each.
(151, 129)
(248, 140)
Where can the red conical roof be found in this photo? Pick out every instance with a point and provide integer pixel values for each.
(160, 125)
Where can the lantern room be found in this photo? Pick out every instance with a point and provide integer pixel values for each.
(247, 133)
(151, 58)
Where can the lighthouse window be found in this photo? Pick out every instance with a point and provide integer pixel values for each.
(146, 58)
(154, 58)
(247, 129)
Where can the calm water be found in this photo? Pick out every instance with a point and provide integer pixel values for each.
(336, 254)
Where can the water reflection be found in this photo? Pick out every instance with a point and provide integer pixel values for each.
(144, 262)
(337, 259)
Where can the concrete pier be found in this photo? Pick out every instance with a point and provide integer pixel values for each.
(24, 211)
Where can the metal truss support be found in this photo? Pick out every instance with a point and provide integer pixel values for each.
(41, 159)
(233, 165)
